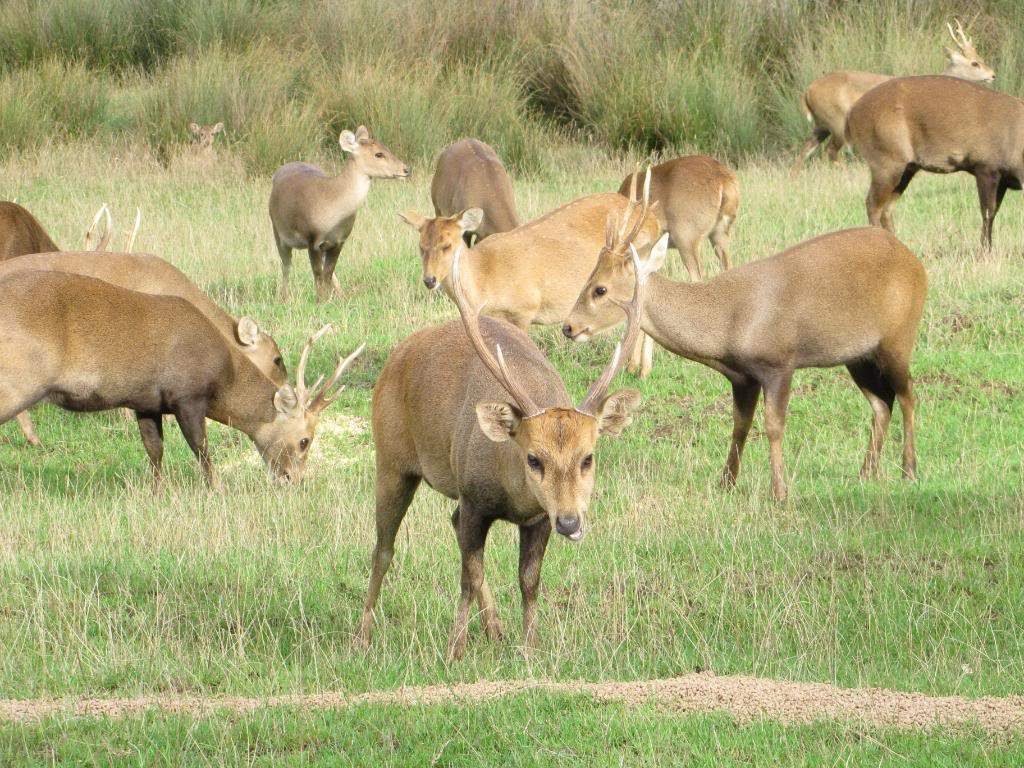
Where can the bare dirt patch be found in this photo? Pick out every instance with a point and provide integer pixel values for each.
(745, 698)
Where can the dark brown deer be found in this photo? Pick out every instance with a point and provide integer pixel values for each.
(495, 431)
(850, 298)
(939, 125)
(86, 345)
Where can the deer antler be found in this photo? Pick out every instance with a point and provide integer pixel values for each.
(103, 211)
(960, 38)
(496, 365)
(135, 231)
(319, 400)
(596, 393)
(644, 205)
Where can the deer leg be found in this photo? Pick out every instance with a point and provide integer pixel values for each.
(896, 369)
(485, 599)
(151, 429)
(641, 357)
(316, 263)
(988, 182)
(286, 265)
(744, 402)
(192, 421)
(820, 134)
(776, 401)
(472, 535)
(330, 261)
(880, 396)
(885, 190)
(533, 541)
(835, 146)
(27, 429)
(394, 495)
(719, 238)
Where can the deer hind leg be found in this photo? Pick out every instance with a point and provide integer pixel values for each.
(809, 146)
(533, 541)
(895, 368)
(286, 266)
(330, 262)
(880, 396)
(991, 188)
(151, 429)
(394, 492)
(472, 536)
(28, 430)
(886, 188)
(641, 357)
(744, 402)
(835, 147)
(776, 402)
(719, 238)
(687, 242)
(485, 599)
(14, 404)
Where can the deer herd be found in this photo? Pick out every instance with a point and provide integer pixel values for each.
(473, 407)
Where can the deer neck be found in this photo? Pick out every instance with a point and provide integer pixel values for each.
(688, 319)
(350, 188)
(246, 402)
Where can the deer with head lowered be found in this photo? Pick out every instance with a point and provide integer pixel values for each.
(828, 100)
(850, 298)
(939, 125)
(477, 411)
(151, 274)
(86, 345)
(312, 210)
(533, 274)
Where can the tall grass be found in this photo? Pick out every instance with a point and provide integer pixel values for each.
(530, 76)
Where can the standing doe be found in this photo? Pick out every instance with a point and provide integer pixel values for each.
(311, 210)
(850, 298)
(495, 431)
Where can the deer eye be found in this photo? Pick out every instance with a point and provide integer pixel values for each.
(975, 64)
(587, 462)
(534, 463)
(379, 155)
(600, 290)
(278, 361)
(304, 444)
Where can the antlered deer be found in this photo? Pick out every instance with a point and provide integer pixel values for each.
(850, 298)
(470, 174)
(86, 345)
(311, 210)
(828, 100)
(697, 197)
(151, 274)
(534, 273)
(940, 125)
(476, 410)
(21, 232)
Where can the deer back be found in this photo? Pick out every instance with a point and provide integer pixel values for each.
(470, 174)
(21, 233)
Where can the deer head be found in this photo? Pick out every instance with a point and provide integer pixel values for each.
(202, 136)
(966, 63)
(439, 239)
(370, 156)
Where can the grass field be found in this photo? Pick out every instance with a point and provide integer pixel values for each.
(110, 589)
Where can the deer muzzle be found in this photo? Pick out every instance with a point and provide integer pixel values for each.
(570, 526)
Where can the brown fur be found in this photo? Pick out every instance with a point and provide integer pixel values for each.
(21, 233)
(470, 174)
(940, 125)
(312, 210)
(850, 298)
(697, 197)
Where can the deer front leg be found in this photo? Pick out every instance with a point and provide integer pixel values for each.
(472, 535)
(533, 541)
(744, 402)
(151, 429)
(25, 422)
(192, 421)
(485, 599)
(776, 401)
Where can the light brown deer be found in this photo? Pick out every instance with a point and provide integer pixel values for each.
(495, 431)
(312, 210)
(202, 139)
(533, 274)
(828, 100)
(151, 274)
(697, 197)
(470, 174)
(86, 345)
(21, 232)
(850, 298)
(940, 125)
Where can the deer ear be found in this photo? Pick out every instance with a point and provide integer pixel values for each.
(656, 256)
(413, 219)
(348, 142)
(218, 127)
(247, 331)
(470, 219)
(362, 134)
(499, 421)
(286, 401)
(194, 127)
(616, 412)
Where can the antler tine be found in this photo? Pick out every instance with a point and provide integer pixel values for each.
(645, 207)
(108, 232)
(959, 36)
(95, 221)
(322, 400)
(300, 372)
(496, 365)
(135, 231)
(598, 389)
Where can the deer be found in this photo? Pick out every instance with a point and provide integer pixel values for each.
(474, 408)
(852, 298)
(469, 175)
(312, 210)
(828, 100)
(698, 197)
(533, 273)
(151, 274)
(202, 139)
(86, 345)
(21, 232)
(939, 125)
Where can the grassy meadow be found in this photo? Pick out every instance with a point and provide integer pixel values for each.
(110, 589)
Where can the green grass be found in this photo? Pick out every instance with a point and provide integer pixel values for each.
(108, 589)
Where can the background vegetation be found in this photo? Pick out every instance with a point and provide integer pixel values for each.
(530, 76)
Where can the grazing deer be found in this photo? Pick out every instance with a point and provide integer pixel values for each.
(151, 274)
(533, 274)
(828, 100)
(202, 139)
(311, 210)
(850, 298)
(86, 345)
(697, 197)
(471, 175)
(495, 431)
(939, 125)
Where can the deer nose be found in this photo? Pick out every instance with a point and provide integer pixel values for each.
(567, 526)
(567, 331)
(430, 282)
